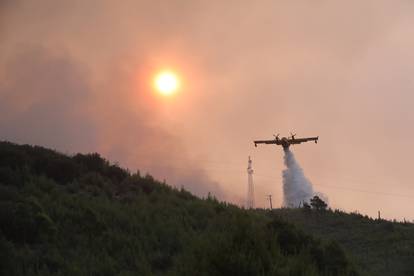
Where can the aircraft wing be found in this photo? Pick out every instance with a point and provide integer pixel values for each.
(301, 140)
(277, 142)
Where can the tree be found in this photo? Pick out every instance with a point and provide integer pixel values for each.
(317, 203)
(306, 207)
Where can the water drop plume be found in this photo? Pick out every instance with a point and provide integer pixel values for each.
(296, 187)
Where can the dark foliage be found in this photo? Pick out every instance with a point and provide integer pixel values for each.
(317, 203)
(81, 215)
(379, 247)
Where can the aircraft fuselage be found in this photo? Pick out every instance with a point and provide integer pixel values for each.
(286, 142)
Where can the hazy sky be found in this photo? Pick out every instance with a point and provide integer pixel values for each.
(76, 76)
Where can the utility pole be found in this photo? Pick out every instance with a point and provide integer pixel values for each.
(270, 201)
(250, 187)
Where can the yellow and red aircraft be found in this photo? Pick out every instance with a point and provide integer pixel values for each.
(285, 142)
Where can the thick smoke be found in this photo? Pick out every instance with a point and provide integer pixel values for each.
(296, 187)
(50, 100)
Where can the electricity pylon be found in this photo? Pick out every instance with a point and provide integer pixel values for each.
(250, 187)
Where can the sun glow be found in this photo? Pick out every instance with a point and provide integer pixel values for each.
(166, 83)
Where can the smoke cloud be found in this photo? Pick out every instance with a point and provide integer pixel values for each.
(296, 187)
(85, 89)
(50, 99)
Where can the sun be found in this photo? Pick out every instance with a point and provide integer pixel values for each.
(166, 83)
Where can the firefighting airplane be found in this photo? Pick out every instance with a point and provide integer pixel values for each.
(286, 142)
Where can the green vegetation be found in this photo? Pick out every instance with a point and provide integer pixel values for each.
(317, 204)
(81, 215)
(378, 247)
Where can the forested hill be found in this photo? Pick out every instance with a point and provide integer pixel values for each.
(379, 247)
(81, 215)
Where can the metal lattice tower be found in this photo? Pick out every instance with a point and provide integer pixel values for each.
(250, 187)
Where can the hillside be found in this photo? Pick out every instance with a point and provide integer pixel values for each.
(81, 215)
(378, 247)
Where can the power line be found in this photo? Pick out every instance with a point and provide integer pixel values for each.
(270, 201)
(365, 191)
(272, 178)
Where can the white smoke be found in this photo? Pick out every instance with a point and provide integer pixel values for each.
(297, 189)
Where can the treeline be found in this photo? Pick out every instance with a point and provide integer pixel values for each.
(81, 215)
(379, 247)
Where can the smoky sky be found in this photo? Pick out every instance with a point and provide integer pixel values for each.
(48, 99)
(44, 100)
(74, 76)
